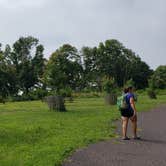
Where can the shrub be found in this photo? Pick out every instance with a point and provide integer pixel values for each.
(109, 85)
(40, 93)
(130, 83)
(151, 93)
(66, 92)
(2, 100)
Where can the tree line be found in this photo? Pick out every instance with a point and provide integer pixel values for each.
(25, 72)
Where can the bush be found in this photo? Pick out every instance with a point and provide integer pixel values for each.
(37, 94)
(66, 92)
(40, 93)
(151, 93)
(130, 83)
(109, 86)
(2, 100)
(21, 98)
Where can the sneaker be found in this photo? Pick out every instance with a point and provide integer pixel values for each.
(137, 138)
(125, 138)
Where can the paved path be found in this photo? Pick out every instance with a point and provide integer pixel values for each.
(150, 151)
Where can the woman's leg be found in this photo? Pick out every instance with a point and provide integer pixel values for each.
(134, 126)
(124, 126)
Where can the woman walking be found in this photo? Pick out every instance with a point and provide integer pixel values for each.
(129, 114)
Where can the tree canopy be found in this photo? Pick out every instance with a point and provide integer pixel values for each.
(158, 79)
(24, 69)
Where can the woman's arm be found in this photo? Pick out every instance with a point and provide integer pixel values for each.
(133, 105)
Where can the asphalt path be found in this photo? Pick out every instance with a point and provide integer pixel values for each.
(149, 151)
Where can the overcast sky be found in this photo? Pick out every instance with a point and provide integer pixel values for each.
(138, 24)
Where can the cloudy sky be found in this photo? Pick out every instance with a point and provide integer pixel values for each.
(138, 24)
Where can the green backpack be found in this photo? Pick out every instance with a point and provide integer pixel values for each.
(121, 102)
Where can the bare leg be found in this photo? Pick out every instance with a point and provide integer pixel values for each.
(124, 126)
(134, 126)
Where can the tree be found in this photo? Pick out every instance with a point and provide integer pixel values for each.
(39, 64)
(7, 77)
(25, 69)
(64, 68)
(91, 73)
(122, 64)
(139, 72)
(112, 60)
(107, 60)
(27, 59)
(158, 79)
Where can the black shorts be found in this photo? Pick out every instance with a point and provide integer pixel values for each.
(127, 113)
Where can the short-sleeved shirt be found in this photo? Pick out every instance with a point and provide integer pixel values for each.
(128, 97)
(128, 112)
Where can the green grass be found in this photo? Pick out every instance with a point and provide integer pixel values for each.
(31, 135)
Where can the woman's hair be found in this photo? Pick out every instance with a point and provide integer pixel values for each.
(126, 90)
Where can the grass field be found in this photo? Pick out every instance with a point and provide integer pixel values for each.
(31, 135)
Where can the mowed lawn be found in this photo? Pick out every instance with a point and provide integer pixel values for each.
(31, 135)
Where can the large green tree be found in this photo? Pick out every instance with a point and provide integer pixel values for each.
(158, 79)
(64, 68)
(7, 76)
(140, 73)
(39, 65)
(27, 57)
(92, 76)
(24, 68)
(112, 60)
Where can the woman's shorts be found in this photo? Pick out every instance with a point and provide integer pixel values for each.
(127, 113)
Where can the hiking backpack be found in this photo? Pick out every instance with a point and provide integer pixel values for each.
(122, 103)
